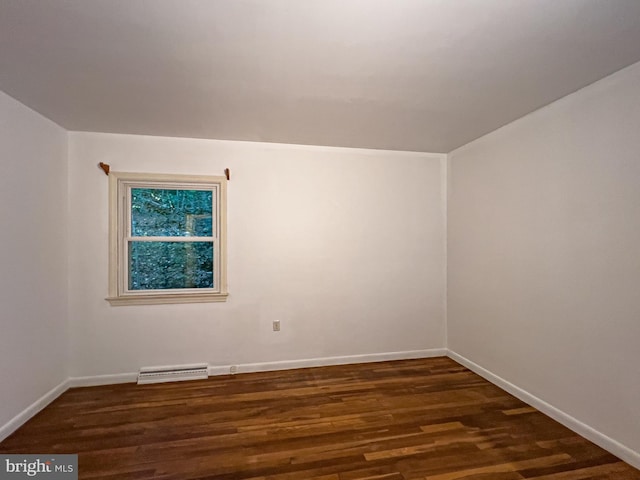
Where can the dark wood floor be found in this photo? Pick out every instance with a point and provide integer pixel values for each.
(415, 419)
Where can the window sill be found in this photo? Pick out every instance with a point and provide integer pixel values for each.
(167, 299)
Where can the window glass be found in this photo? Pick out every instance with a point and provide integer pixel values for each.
(170, 265)
(157, 212)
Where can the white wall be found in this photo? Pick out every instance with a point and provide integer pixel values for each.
(544, 254)
(33, 258)
(344, 246)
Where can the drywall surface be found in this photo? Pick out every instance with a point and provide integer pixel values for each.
(544, 254)
(33, 276)
(345, 247)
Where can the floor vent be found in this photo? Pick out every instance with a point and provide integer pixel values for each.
(173, 374)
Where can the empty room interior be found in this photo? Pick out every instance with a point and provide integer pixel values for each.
(320, 239)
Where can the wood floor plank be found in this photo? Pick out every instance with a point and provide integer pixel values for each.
(502, 467)
(403, 420)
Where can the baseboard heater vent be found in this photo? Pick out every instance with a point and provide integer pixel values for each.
(176, 373)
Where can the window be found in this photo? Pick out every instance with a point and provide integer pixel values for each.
(167, 239)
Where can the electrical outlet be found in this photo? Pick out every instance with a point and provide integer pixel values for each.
(276, 325)
(233, 370)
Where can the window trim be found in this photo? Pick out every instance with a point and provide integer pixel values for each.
(119, 185)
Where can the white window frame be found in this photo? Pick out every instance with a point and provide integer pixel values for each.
(120, 185)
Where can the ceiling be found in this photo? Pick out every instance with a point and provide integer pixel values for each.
(420, 75)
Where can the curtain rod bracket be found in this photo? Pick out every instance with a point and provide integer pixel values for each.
(227, 173)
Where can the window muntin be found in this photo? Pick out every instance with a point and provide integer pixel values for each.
(169, 244)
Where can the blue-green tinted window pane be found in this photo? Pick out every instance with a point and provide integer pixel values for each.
(170, 265)
(159, 212)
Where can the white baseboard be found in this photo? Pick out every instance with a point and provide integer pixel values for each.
(96, 380)
(29, 412)
(326, 361)
(613, 446)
